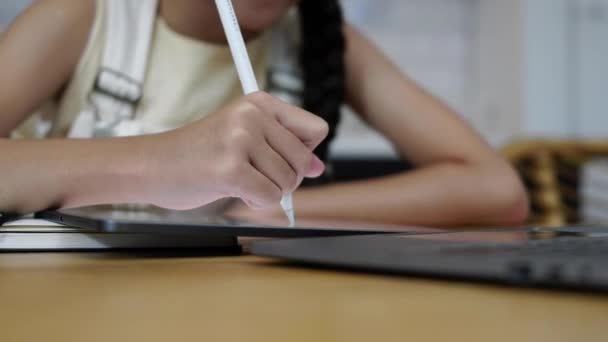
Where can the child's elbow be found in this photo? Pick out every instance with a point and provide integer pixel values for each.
(511, 202)
(516, 209)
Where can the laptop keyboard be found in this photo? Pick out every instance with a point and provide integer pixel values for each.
(562, 247)
(574, 262)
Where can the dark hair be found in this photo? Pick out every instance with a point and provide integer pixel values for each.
(322, 62)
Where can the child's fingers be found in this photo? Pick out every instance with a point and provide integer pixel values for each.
(272, 165)
(257, 190)
(307, 127)
(299, 157)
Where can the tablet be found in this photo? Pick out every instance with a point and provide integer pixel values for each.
(154, 220)
(33, 235)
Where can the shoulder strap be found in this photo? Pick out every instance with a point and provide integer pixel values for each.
(120, 78)
(128, 37)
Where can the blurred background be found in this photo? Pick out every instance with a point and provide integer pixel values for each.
(517, 70)
(514, 68)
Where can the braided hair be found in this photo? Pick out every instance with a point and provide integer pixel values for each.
(322, 63)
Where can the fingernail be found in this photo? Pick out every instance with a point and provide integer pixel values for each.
(317, 167)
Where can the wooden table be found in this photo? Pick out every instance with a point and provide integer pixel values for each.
(118, 297)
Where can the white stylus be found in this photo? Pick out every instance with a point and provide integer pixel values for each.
(245, 72)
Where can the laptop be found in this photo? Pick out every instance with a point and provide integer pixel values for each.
(574, 257)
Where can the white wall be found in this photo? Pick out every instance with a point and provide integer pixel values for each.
(547, 70)
(9, 9)
(500, 70)
(433, 41)
(544, 69)
(589, 73)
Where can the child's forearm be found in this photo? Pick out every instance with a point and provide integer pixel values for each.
(446, 194)
(256, 149)
(37, 175)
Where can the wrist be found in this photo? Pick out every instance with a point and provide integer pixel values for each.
(142, 170)
(114, 170)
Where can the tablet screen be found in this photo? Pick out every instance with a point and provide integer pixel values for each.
(210, 219)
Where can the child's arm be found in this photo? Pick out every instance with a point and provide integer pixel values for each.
(458, 179)
(256, 148)
(38, 54)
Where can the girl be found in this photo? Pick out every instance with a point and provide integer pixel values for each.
(198, 141)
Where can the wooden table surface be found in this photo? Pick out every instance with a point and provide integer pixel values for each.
(119, 297)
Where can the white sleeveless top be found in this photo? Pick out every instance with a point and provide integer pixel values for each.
(186, 79)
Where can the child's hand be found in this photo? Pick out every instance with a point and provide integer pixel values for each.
(256, 149)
